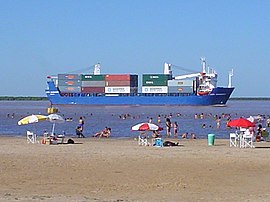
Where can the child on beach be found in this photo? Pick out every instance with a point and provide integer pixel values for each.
(175, 129)
(158, 119)
(218, 121)
(185, 135)
(193, 136)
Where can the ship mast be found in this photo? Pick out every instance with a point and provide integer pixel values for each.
(97, 69)
(230, 79)
(167, 68)
(203, 65)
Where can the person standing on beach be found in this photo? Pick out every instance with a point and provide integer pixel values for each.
(168, 127)
(81, 123)
(175, 129)
(268, 122)
(79, 132)
(218, 120)
(158, 119)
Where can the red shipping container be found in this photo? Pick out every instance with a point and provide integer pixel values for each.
(93, 89)
(117, 83)
(117, 77)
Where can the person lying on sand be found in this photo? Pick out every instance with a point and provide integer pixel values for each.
(170, 144)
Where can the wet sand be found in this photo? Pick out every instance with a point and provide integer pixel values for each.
(120, 170)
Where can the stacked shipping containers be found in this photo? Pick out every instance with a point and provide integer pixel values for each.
(88, 83)
(121, 83)
(93, 83)
(69, 83)
(155, 83)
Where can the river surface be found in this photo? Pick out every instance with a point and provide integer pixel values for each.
(121, 118)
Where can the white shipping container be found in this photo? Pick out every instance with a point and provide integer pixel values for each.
(155, 89)
(118, 89)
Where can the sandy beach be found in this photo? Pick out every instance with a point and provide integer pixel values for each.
(120, 170)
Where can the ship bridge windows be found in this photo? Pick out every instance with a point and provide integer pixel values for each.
(124, 94)
(134, 94)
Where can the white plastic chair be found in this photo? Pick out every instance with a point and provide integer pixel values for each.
(247, 140)
(31, 137)
(143, 141)
(234, 140)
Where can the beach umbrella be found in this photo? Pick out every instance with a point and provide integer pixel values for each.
(146, 127)
(32, 119)
(241, 122)
(55, 118)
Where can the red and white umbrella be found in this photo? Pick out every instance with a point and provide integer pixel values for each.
(146, 127)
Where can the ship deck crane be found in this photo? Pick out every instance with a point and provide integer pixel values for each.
(192, 74)
(207, 81)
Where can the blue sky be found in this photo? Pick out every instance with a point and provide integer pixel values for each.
(40, 38)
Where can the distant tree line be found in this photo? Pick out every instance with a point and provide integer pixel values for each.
(11, 98)
(30, 98)
(250, 98)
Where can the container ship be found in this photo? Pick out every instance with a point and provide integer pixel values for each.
(198, 89)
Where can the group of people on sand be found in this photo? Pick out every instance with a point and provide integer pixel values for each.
(169, 125)
(106, 132)
(172, 128)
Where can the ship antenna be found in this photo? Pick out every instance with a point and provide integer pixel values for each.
(230, 79)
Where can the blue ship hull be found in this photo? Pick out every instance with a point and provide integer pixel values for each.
(219, 96)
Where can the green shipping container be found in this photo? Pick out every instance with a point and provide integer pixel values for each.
(91, 77)
(155, 80)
